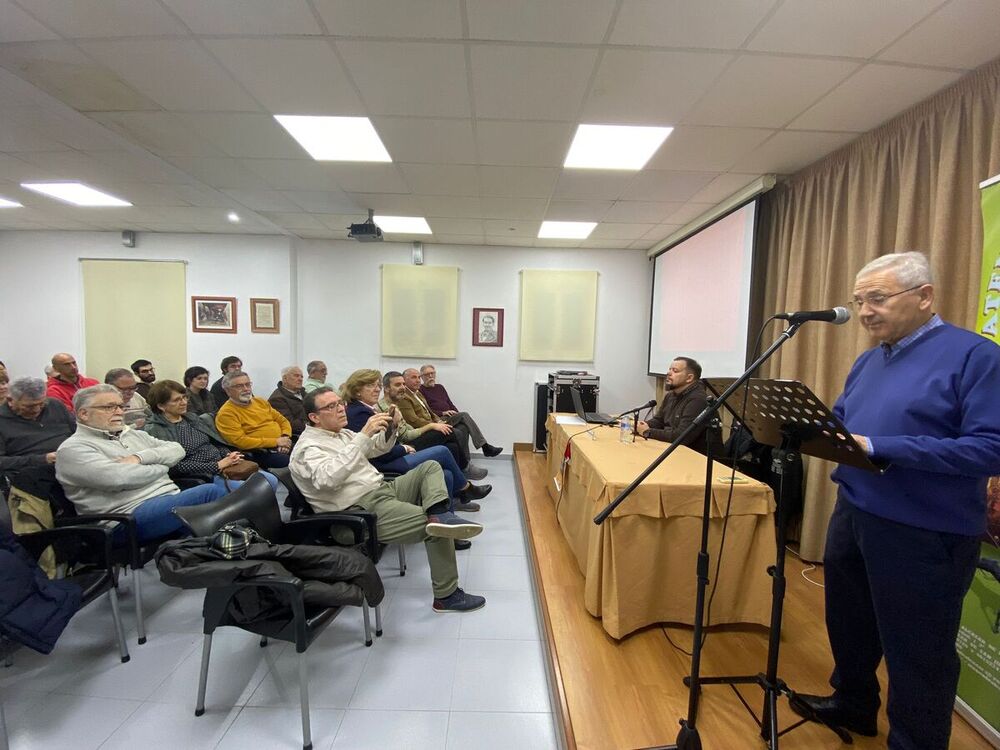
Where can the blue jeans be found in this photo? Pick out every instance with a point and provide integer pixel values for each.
(234, 483)
(154, 518)
(454, 479)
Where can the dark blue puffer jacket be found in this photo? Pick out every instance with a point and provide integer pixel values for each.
(33, 609)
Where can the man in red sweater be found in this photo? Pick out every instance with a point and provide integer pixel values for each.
(66, 380)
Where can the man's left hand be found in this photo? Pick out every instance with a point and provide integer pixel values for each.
(449, 413)
(409, 449)
(284, 444)
(862, 441)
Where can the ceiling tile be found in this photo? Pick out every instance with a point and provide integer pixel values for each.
(566, 210)
(962, 33)
(97, 18)
(650, 87)
(425, 140)
(846, 28)
(436, 19)
(644, 244)
(667, 186)
(338, 222)
(692, 147)
(367, 178)
(391, 204)
(871, 96)
(583, 184)
(245, 134)
(529, 144)
(523, 182)
(161, 132)
(682, 23)
(512, 227)
(512, 208)
(69, 129)
(292, 220)
(262, 200)
(290, 76)
(500, 74)
(18, 26)
(177, 74)
(17, 136)
(441, 225)
(689, 212)
(294, 174)
(405, 78)
(246, 16)
(605, 243)
(64, 72)
(453, 206)
(790, 151)
(458, 239)
(323, 202)
(640, 211)
(498, 241)
(219, 173)
(556, 243)
(540, 20)
(722, 187)
(138, 165)
(441, 179)
(765, 91)
(612, 231)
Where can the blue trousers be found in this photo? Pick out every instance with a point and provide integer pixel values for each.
(896, 591)
(153, 516)
(454, 479)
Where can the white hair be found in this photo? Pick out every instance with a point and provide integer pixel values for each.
(83, 397)
(910, 268)
(30, 388)
(229, 377)
(286, 370)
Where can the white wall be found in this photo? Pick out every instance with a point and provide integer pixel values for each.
(339, 318)
(41, 295)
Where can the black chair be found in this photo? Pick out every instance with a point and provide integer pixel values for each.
(255, 501)
(86, 556)
(301, 508)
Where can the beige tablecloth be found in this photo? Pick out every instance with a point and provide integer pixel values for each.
(639, 565)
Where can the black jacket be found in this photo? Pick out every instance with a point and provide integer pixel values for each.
(33, 609)
(676, 413)
(289, 403)
(332, 576)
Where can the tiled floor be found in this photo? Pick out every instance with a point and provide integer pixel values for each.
(432, 681)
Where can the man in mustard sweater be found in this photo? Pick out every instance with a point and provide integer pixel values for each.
(251, 424)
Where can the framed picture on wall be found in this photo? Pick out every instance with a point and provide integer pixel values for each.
(487, 326)
(264, 315)
(213, 314)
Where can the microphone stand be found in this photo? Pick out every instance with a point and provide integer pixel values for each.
(688, 737)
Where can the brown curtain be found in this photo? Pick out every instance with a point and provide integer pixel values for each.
(911, 184)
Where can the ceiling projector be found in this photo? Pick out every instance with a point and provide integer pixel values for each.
(366, 231)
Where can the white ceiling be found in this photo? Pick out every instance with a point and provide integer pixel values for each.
(168, 104)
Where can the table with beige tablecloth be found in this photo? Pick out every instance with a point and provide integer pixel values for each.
(639, 565)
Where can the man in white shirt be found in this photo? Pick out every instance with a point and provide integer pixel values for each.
(330, 466)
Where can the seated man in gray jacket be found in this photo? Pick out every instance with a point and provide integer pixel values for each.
(106, 467)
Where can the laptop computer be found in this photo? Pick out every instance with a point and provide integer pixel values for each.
(590, 417)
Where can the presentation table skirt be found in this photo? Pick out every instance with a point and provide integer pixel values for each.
(639, 565)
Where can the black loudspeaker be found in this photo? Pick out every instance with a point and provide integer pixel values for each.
(541, 412)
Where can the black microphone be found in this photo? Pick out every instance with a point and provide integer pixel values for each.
(648, 405)
(837, 316)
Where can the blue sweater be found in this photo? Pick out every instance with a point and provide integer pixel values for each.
(933, 413)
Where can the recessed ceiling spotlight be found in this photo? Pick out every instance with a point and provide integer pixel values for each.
(75, 192)
(403, 224)
(336, 138)
(614, 146)
(566, 230)
(233, 217)
(4, 203)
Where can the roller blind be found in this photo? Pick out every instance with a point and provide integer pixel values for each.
(419, 311)
(558, 315)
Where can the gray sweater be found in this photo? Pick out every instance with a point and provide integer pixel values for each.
(87, 467)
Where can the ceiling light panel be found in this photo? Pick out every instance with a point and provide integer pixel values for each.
(76, 193)
(566, 230)
(4, 203)
(403, 224)
(614, 146)
(336, 138)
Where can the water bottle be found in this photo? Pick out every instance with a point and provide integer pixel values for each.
(625, 431)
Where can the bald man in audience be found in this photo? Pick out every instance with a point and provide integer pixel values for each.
(66, 379)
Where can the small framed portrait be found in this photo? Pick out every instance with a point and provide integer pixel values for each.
(487, 326)
(264, 315)
(213, 314)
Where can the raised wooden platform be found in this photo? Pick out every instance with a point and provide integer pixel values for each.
(629, 693)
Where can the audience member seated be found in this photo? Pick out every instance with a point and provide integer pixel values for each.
(361, 393)
(66, 379)
(229, 364)
(439, 402)
(4, 385)
(430, 434)
(287, 399)
(330, 466)
(145, 372)
(251, 424)
(683, 399)
(316, 370)
(206, 454)
(136, 409)
(106, 467)
(32, 426)
(200, 399)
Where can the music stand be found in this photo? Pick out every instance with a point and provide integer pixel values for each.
(786, 415)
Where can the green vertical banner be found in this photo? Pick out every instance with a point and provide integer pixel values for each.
(979, 635)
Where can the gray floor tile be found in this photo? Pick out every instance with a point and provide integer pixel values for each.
(501, 731)
(378, 730)
(275, 728)
(500, 676)
(83, 722)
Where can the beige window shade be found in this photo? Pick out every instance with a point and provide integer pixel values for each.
(558, 315)
(133, 310)
(419, 311)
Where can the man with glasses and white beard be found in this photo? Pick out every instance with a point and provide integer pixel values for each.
(251, 424)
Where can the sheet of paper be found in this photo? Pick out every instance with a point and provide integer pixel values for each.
(568, 419)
